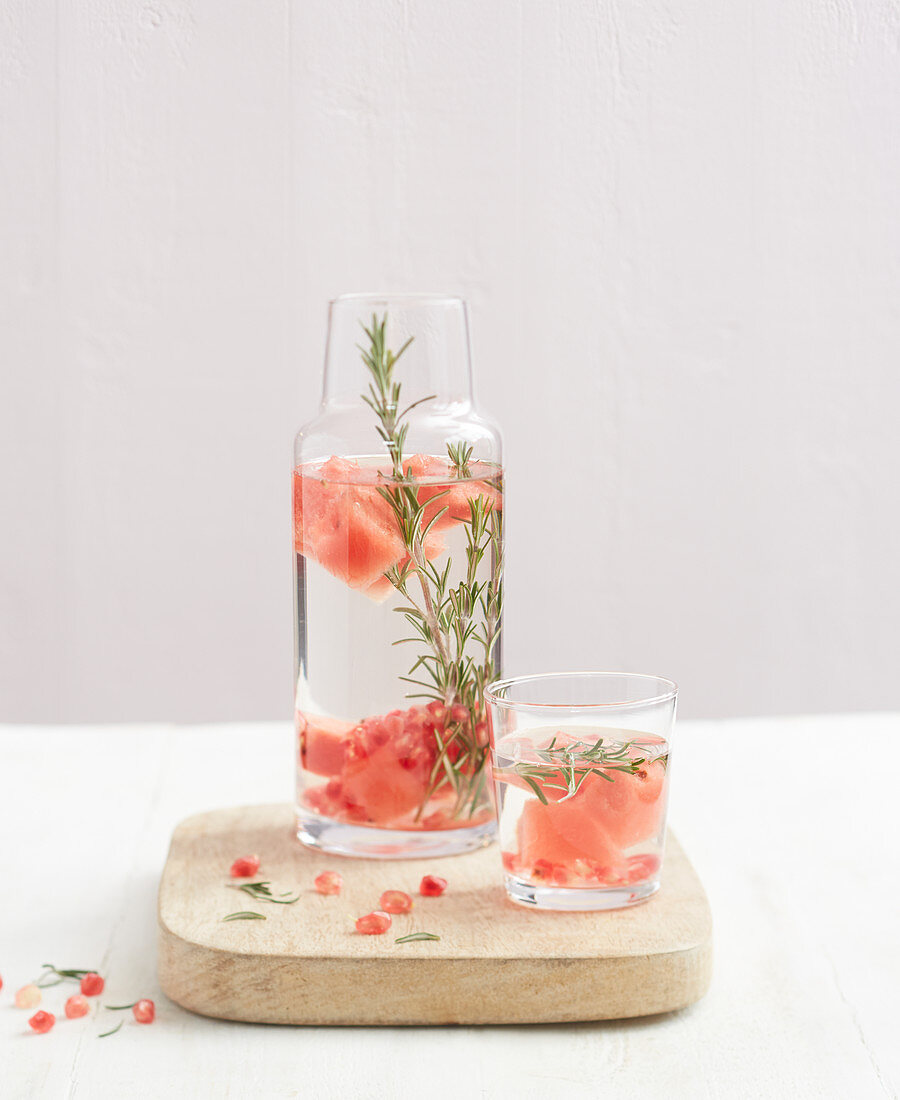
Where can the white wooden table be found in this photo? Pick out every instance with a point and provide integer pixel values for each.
(790, 823)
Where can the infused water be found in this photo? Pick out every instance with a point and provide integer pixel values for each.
(582, 807)
(398, 603)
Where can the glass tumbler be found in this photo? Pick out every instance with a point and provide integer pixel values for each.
(581, 773)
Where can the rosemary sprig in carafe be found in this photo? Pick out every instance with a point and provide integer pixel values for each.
(456, 624)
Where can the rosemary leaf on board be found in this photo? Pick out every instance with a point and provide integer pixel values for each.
(60, 976)
(260, 891)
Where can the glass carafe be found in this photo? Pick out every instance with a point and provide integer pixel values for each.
(398, 542)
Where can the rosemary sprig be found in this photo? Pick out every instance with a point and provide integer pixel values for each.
(244, 914)
(384, 393)
(61, 976)
(460, 453)
(416, 936)
(260, 891)
(565, 767)
(118, 1027)
(448, 619)
(119, 1008)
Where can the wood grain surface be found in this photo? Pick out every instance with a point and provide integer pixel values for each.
(496, 962)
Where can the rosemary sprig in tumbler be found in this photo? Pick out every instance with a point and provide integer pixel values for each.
(565, 767)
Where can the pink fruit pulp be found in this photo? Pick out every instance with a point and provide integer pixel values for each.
(379, 770)
(342, 521)
(582, 840)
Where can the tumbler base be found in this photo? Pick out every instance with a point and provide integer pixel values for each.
(579, 899)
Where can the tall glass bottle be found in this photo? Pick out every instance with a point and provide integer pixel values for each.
(398, 540)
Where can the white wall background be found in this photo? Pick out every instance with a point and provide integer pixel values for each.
(678, 225)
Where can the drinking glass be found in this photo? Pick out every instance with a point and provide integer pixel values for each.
(581, 767)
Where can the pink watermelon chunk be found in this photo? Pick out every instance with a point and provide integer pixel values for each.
(344, 524)
(342, 521)
(563, 832)
(379, 770)
(322, 742)
(452, 494)
(586, 836)
(631, 808)
(387, 785)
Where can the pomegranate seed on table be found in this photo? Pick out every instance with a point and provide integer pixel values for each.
(245, 867)
(41, 1022)
(395, 901)
(432, 886)
(373, 924)
(29, 996)
(92, 985)
(77, 1006)
(1, 983)
(329, 882)
(144, 1012)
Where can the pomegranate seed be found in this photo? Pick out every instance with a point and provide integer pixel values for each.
(543, 869)
(92, 985)
(329, 882)
(29, 996)
(432, 886)
(245, 867)
(77, 1006)
(1, 983)
(144, 1012)
(395, 901)
(373, 924)
(42, 1021)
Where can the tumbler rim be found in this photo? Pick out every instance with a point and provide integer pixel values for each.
(493, 691)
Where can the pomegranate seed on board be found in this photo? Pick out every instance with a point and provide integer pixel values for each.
(42, 1021)
(245, 867)
(373, 924)
(395, 901)
(329, 882)
(1, 983)
(92, 985)
(432, 886)
(144, 1012)
(77, 1006)
(29, 996)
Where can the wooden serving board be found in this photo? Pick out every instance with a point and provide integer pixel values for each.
(495, 963)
